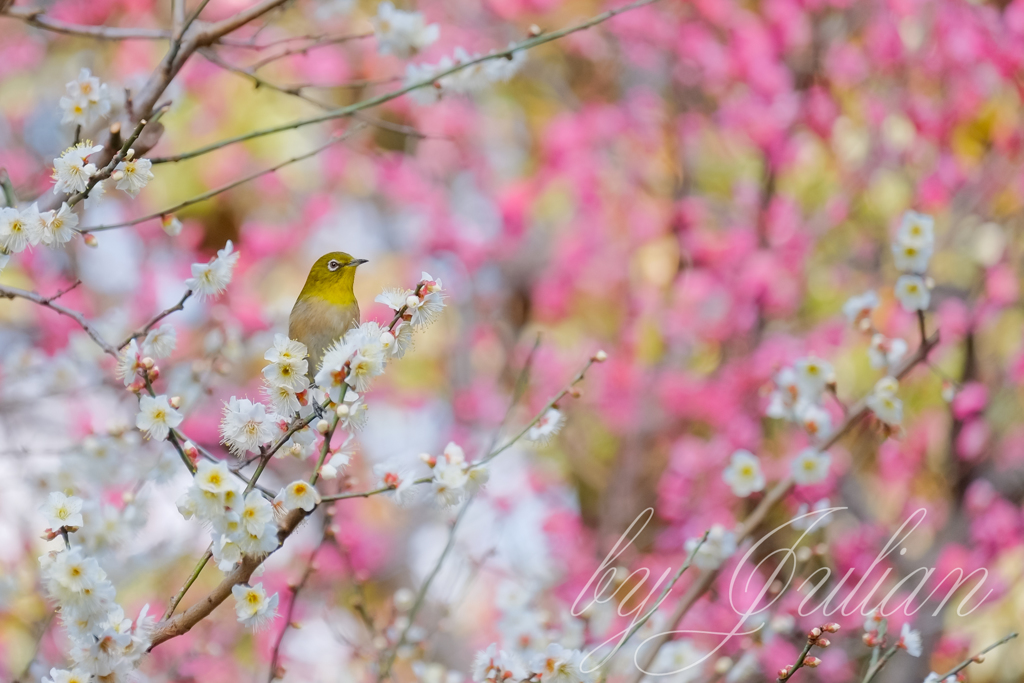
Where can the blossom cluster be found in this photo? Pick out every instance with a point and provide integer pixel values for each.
(104, 643)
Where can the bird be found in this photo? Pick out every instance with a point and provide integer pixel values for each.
(326, 308)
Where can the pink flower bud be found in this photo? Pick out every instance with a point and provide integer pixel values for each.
(831, 627)
(90, 240)
(812, 662)
(175, 402)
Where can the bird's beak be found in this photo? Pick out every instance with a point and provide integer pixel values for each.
(355, 262)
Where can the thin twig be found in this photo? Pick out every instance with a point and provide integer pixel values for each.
(176, 600)
(257, 65)
(223, 188)
(14, 292)
(310, 568)
(35, 16)
(387, 97)
(10, 199)
(144, 330)
(967, 662)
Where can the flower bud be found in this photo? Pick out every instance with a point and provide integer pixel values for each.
(117, 175)
(153, 374)
(191, 452)
(387, 339)
(814, 633)
(90, 240)
(784, 672)
(428, 459)
(831, 627)
(342, 410)
(128, 497)
(600, 356)
(148, 363)
(323, 426)
(137, 386)
(171, 225)
(722, 665)
(823, 642)
(575, 393)
(870, 639)
(978, 659)
(175, 402)
(130, 154)
(811, 662)
(412, 301)
(534, 30)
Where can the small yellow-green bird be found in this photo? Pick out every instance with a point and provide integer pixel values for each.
(326, 308)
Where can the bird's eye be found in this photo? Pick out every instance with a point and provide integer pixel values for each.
(333, 265)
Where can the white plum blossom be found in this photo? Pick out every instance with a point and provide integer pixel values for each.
(783, 400)
(883, 402)
(160, 342)
(246, 426)
(283, 399)
(886, 353)
(815, 420)
(449, 483)
(129, 363)
(913, 293)
(156, 417)
(859, 308)
(810, 466)
(298, 494)
(560, 665)
(67, 676)
(212, 278)
(917, 229)
(402, 33)
(911, 258)
(547, 426)
(135, 174)
(87, 100)
(910, 640)
(72, 171)
(59, 226)
(20, 229)
(676, 662)
(744, 475)
(719, 546)
(812, 376)
(287, 365)
(397, 477)
(497, 666)
(253, 608)
(353, 361)
(63, 511)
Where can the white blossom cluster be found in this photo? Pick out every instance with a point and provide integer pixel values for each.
(87, 100)
(798, 396)
(28, 227)
(212, 278)
(401, 33)
(912, 250)
(453, 479)
(473, 79)
(104, 643)
(240, 524)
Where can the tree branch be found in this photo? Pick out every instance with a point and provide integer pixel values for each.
(35, 16)
(223, 188)
(394, 94)
(776, 494)
(14, 292)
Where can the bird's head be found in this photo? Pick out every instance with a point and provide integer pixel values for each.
(331, 278)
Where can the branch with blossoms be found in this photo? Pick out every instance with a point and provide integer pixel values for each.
(798, 395)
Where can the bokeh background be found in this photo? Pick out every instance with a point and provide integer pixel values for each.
(693, 187)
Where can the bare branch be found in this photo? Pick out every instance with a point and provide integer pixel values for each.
(303, 49)
(142, 331)
(394, 94)
(14, 292)
(34, 16)
(223, 188)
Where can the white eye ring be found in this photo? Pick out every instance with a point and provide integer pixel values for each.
(333, 265)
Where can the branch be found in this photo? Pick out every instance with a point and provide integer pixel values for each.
(223, 188)
(255, 66)
(776, 494)
(14, 292)
(295, 589)
(35, 16)
(387, 97)
(976, 658)
(142, 331)
(10, 198)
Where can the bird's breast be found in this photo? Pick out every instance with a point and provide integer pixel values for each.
(318, 324)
